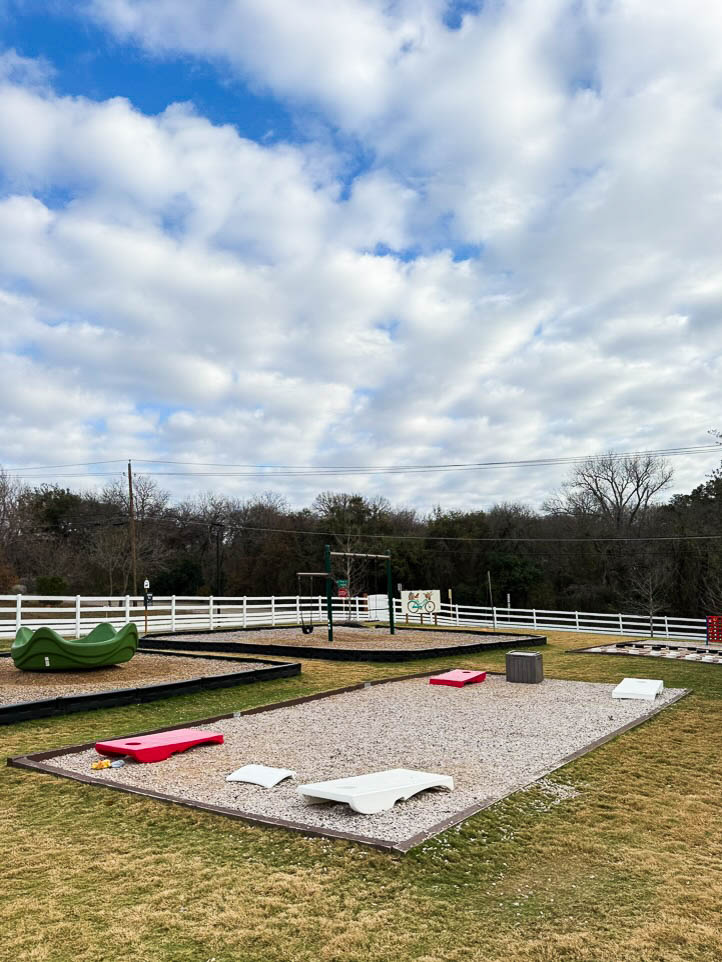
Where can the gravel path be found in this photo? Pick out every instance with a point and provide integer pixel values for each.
(142, 669)
(492, 738)
(366, 638)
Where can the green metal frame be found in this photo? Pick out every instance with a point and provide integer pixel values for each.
(329, 585)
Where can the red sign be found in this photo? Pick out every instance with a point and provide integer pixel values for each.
(343, 592)
(714, 629)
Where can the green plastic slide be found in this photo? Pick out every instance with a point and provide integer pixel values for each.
(45, 650)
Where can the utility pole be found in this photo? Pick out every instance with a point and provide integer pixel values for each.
(131, 523)
(491, 597)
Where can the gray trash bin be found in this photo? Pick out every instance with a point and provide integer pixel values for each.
(524, 666)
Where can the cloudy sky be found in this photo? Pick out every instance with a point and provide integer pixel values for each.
(359, 232)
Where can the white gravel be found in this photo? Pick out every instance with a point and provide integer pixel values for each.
(493, 738)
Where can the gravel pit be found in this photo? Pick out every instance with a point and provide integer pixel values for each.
(358, 638)
(141, 670)
(493, 738)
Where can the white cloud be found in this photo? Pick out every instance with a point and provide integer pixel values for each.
(209, 298)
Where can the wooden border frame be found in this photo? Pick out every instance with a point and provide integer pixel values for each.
(36, 761)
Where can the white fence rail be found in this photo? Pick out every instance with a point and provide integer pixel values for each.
(472, 616)
(74, 616)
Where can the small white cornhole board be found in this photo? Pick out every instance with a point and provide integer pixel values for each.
(644, 688)
(260, 775)
(377, 791)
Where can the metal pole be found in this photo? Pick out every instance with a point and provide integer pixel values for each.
(219, 531)
(131, 518)
(491, 597)
(390, 590)
(329, 592)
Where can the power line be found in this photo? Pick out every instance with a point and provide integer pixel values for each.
(267, 472)
(73, 464)
(424, 537)
(121, 519)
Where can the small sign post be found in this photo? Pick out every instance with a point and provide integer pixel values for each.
(147, 601)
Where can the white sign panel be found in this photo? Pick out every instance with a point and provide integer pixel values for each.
(425, 601)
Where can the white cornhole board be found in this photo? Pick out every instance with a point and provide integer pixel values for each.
(377, 791)
(260, 775)
(645, 688)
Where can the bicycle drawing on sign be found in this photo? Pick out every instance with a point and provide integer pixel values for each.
(418, 605)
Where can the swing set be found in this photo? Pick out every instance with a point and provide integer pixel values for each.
(327, 575)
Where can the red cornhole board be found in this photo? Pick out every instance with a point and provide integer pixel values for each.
(458, 678)
(156, 748)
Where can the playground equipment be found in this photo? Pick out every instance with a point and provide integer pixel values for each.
(377, 791)
(307, 626)
(45, 650)
(158, 747)
(329, 583)
(327, 575)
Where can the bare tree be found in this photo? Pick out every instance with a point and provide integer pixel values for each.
(346, 517)
(648, 587)
(617, 489)
(109, 550)
(11, 492)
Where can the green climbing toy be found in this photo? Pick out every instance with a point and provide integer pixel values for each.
(45, 650)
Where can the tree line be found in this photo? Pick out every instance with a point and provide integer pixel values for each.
(608, 540)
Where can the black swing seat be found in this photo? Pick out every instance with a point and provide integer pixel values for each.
(307, 629)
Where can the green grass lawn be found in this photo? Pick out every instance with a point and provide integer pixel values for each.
(629, 869)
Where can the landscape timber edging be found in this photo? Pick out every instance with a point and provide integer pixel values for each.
(333, 653)
(36, 761)
(116, 697)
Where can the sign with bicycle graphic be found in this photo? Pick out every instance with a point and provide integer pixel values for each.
(421, 602)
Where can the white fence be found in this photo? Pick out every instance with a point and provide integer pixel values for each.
(663, 626)
(74, 616)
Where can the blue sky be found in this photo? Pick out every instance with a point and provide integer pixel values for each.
(88, 61)
(359, 233)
